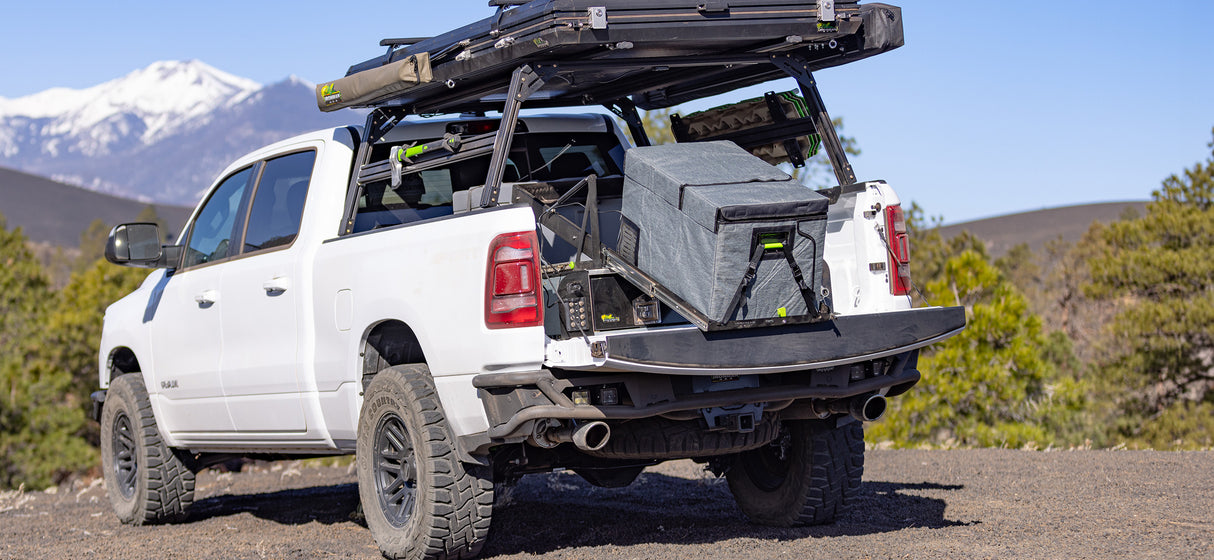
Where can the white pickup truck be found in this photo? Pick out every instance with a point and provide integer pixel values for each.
(462, 301)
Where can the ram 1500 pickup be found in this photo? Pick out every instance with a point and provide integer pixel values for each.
(464, 300)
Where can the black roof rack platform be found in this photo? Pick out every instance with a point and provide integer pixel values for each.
(655, 53)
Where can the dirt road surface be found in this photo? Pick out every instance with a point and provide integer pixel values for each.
(915, 504)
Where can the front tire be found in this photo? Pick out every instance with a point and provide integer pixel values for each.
(806, 476)
(147, 481)
(420, 501)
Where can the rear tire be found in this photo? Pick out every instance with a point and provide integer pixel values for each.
(420, 501)
(147, 481)
(805, 476)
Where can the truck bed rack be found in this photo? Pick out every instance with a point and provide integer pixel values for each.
(623, 55)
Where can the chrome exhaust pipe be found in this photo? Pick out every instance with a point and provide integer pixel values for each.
(867, 408)
(591, 436)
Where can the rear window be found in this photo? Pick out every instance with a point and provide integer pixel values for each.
(533, 157)
(278, 202)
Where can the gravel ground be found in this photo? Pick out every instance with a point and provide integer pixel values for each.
(915, 504)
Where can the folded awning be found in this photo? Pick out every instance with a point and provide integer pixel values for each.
(374, 84)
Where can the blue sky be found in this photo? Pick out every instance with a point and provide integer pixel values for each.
(990, 108)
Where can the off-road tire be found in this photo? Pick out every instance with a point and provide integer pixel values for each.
(445, 510)
(806, 476)
(147, 481)
(661, 438)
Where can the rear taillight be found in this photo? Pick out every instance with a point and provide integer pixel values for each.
(512, 282)
(899, 251)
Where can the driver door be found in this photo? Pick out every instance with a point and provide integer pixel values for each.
(186, 332)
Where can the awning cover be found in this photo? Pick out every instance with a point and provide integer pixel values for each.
(374, 84)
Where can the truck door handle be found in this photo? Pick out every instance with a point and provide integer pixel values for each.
(207, 297)
(276, 285)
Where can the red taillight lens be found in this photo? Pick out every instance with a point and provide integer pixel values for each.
(511, 278)
(512, 282)
(899, 251)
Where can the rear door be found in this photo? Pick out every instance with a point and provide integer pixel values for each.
(261, 367)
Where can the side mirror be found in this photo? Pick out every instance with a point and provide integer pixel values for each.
(139, 245)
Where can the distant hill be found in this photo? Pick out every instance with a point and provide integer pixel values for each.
(55, 213)
(1035, 228)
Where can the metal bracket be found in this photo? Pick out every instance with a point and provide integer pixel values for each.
(625, 109)
(598, 17)
(381, 121)
(396, 159)
(523, 83)
(798, 68)
(826, 10)
(791, 145)
(393, 43)
(585, 238)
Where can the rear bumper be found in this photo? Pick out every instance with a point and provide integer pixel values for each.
(656, 369)
(842, 340)
(512, 401)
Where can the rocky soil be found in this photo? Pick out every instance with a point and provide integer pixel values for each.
(915, 504)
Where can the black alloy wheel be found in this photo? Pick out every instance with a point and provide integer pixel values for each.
(125, 463)
(395, 470)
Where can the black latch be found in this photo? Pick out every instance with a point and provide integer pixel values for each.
(711, 6)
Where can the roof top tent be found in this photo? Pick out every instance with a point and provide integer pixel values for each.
(623, 54)
(620, 54)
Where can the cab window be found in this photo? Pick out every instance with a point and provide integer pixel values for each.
(211, 234)
(278, 202)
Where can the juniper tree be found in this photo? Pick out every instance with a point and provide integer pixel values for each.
(1161, 268)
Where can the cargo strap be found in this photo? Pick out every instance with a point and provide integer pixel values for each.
(764, 243)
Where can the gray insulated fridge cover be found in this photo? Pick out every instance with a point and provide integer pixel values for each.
(374, 84)
(666, 169)
(712, 204)
(711, 181)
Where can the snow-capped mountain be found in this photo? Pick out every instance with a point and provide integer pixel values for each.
(160, 133)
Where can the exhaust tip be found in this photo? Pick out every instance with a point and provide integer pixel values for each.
(868, 408)
(592, 436)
